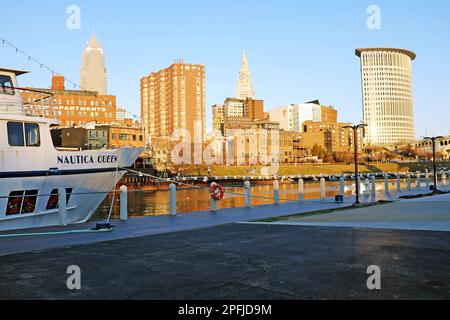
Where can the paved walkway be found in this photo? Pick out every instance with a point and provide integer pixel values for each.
(138, 227)
(239, 261)
(144, 226)
(428, 214)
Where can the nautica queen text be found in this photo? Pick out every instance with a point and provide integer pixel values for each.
(85, 159)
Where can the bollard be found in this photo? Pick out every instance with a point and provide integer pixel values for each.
(367, 186)
(301, 189)
(342, 186)
(123, 203)
(418, 182)
(173, 199)
(374, 186)
(213, 205)
(408, 182)
(62, 206)
(276, 192)
(247, 194)
(386, 183)
(322, 189)
(443, 179)
(399, 184)
(427, 180)
(359, 184)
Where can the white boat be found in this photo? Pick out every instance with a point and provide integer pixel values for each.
(32, 170)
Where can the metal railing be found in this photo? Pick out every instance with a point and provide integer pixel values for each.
(28, 102)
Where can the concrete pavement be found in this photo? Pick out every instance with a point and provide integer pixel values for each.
(239, 261)
(430, 213)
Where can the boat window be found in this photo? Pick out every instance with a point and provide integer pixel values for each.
(22, 202)
(17, 138)
(6, 85)
(32, 135)
(29, 201)
(15, 134)
(53, 199)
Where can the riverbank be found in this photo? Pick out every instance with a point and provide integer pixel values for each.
(309, 169)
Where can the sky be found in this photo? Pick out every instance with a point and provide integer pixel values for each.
(298, 51)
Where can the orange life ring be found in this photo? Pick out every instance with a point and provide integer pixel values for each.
(217, 192)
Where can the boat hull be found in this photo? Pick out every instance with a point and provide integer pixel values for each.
(86, 186)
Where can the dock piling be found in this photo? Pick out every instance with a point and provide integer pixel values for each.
(247, 187)
(418, 180)
(322, 189)
(173, 199)
(123, 203)
(386, 183)
(301, 189)
(342, 185)
(399, 185)
(276, 192)
(367, 186)
(374, 185)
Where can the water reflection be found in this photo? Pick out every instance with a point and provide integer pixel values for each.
(154, 203)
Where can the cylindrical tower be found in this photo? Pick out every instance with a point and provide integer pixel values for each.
(386, 76)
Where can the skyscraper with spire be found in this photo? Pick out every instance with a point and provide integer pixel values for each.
(244, 86)
(93, 75)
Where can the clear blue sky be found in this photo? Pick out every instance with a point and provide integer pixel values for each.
(297, 50)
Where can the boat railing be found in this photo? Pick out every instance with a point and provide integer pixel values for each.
(28, 102)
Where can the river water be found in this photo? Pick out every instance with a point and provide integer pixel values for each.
(154, 203)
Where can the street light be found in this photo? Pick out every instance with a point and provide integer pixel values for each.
(433, 141)
(355, 144)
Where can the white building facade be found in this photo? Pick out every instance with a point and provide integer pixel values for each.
(93, 75)
(291, 117)
(387, 93)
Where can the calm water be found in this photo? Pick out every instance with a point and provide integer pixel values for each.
(153, 203)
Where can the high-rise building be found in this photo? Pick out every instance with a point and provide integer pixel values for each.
(244, 86)
(291, 117)
(93, 76)
(386, 76)
(174, 98)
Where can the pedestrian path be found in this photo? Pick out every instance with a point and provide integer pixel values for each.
(152, 225)
(425, 214)
(139, 227)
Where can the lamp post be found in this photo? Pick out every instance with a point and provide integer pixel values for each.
(433, 141)
(355, 145)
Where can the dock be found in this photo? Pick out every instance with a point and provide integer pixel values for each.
(231, 254)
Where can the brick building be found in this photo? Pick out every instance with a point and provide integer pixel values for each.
(173, 98)
(76, 107)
